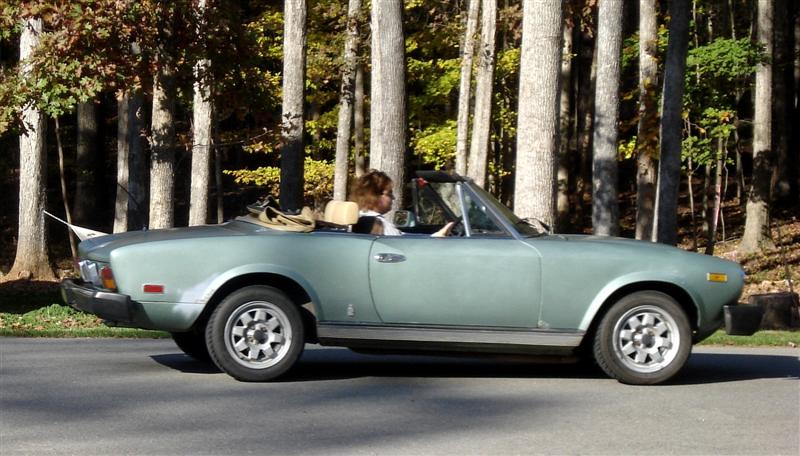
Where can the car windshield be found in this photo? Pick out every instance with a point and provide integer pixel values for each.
(524, 227)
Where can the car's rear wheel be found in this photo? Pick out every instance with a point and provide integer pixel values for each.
(255, 334)
(193, 343)
(644, 339)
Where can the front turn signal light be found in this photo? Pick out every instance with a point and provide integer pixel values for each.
(108, 278)
(717, 277)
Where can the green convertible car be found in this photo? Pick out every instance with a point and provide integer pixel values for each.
(249, 297)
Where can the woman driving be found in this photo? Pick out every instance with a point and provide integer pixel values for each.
(373, 194)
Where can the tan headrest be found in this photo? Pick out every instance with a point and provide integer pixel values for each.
(341, 212)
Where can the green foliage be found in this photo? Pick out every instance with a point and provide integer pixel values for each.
(630, 47)
(318, 180)
(627, 148)
(434, 82)
(436, 145)
(701, 145)
(716, 74)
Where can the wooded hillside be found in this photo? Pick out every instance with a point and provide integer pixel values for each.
(650, 118)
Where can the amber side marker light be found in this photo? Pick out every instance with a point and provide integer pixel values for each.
(717, 277)
(108, 278)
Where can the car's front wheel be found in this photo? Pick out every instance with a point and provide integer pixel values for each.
(644, 339)
(255, 334)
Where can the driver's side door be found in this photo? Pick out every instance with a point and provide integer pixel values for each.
(482, 276)
(455, 281)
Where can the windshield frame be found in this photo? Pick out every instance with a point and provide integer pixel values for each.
(518, 227)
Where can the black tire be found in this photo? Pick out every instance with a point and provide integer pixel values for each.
(193, 343)
(644, 339)
(255, 334)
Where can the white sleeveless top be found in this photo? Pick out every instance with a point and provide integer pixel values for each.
(388, 227)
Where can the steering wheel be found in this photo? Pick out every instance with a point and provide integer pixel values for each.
(458, 228)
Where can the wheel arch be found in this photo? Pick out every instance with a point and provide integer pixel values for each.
(679, 294)
(293, 290)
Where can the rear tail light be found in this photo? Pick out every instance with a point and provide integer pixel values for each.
(108, 278)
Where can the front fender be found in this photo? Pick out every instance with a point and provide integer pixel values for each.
(635, 278)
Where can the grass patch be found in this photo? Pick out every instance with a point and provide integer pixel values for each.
(56, 320)
(759, 339)
(99, 332)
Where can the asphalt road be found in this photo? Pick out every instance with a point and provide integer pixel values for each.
(105, 396)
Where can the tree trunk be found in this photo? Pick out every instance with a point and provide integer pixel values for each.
(537, 124)
(85, 194)
(669, 167)
(781, 78)
(218, 184)
(715, 195)
(129, 209)
(587, 76)
(358, 123)
(123, 163)
(162, 147)
(31, 260)
(566, 126)
(482, 121)
(795, 147)
(647, 136)
(293, 126)
(346, 99)
(64, 196)
(138, 185)
(202, 114)
(605, 209)
(388, 97)
(756, 229)
(465, 87)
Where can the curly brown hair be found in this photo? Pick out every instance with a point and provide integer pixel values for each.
(366, 190)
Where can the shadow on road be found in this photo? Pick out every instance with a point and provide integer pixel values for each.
(725, 367)
(340, 364)
(186, 364)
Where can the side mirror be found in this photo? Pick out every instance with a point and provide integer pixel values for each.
(405, 219)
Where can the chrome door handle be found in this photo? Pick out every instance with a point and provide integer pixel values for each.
(389, 258)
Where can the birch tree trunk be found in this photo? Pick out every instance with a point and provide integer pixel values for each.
(465, 87)
(202, 114)
(669, 165)
(162, 147)
(756, 229)
(346, 100)
(647, 136)
(31, 260)
(85, 195)
(293, 126)
(537, 124)
(388, 94)
(484, 82)
(605, 208)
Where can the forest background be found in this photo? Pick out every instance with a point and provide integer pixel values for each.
(585, 114)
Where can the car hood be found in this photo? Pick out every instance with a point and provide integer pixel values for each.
(618, 242)
(622, 249)
(99, 248)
